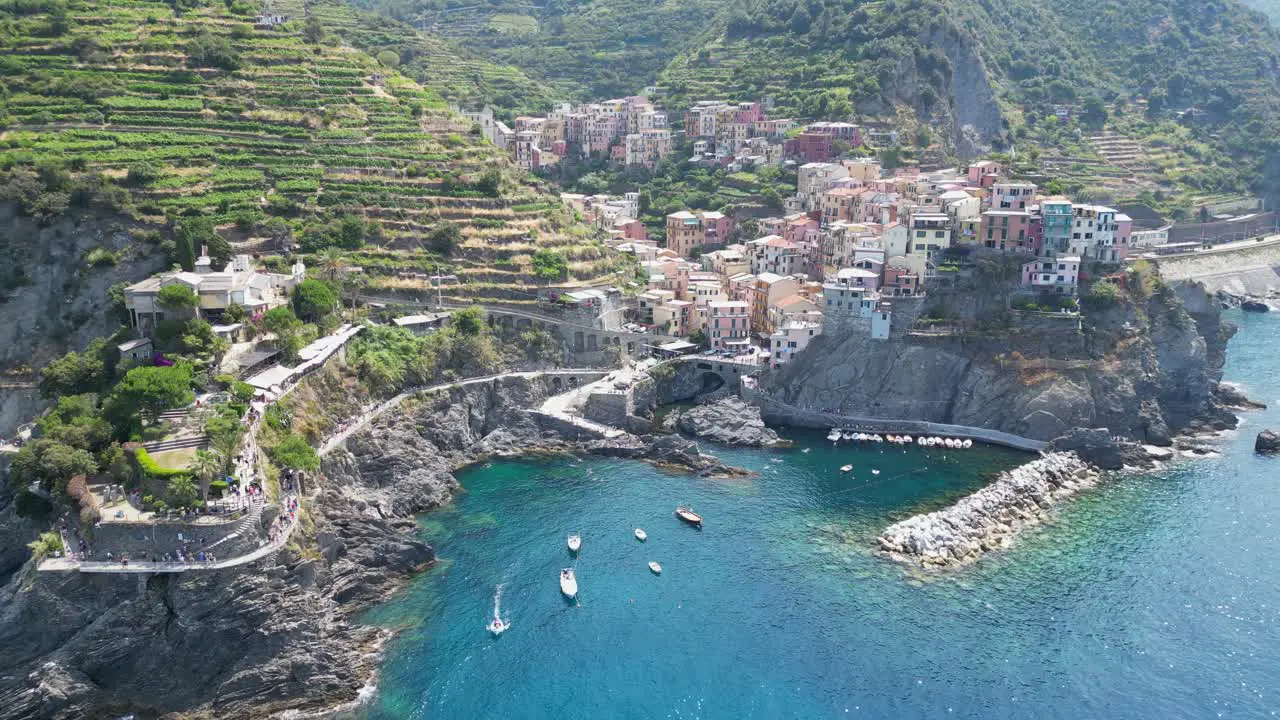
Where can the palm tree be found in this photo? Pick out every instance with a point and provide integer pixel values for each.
(332, 261)
(225, 445)
(205, 466)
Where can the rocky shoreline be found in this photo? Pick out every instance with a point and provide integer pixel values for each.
(991, 517)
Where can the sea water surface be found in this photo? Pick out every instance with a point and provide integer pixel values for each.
(1156, 596)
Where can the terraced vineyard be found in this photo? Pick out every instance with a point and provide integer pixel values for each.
(445, 66)
(201, 114)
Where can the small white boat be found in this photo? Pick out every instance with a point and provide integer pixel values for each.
(922, 441)
(574, 542)
(877, 438)
(834, 435)
(846, 468)
(641, 535)
(805, 450)
(967, 444)
(568, 583)
(655, 567)
(906, 439)
(498, 626)
(875, 472)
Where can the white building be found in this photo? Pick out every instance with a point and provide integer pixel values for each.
(791, 338)
(1060, 276)
(236, 284)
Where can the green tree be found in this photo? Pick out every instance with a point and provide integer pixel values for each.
(389, 58)
(145, 392)
(50, 464)
(75, 421)
(294, 453)
(76, 372)
(313, 300)
(549, 265)
(444, 237)
(333, 261)
(469, 322)
(209, 50)
(291, 333)
(205, 467)
(177, 297)
(182, 492)
(313, 31)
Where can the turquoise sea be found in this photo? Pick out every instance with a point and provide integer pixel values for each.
(1156, 596)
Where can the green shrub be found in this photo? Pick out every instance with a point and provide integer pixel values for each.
(218, 488)
(48, 543)
(151, 469)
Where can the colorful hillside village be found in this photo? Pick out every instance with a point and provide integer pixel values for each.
(855, 240)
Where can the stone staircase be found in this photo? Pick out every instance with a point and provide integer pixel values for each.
(246, 524)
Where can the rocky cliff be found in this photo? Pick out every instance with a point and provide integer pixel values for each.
(278, 635)
(1145, 366)
(54, 295)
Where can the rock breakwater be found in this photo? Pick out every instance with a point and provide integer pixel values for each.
(730, 421)
(989, 518)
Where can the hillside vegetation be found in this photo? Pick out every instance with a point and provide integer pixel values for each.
(1001, 69)
(282, 135)
(585, 49)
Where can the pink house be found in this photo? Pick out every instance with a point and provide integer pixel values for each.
(1124, 230)
(1006, 230)
(631, 229)
(728, 323)
(984, 173)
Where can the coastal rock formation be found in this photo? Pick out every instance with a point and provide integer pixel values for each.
(1098, 447)
(730, 421)
(1267, 443)
(242, 643)
(1255, 306)
(1234, 397)
(1145, 368)
(989, 518)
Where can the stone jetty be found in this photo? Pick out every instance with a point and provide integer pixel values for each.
(989, 518)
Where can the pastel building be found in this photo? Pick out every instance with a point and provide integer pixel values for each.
(769, 289)
(1012, 196)
(930, 233)
(790, 338)
(1057, 220)
(688, 230)
(1006, 230)
(1060, 276)
(729, 324)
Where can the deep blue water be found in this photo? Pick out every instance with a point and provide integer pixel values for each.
(1156, 596)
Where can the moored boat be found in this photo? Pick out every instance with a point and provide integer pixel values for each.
(846, 468)
(687, 514)
(967, 444)
(906, 439)
(655, 567)
(641, 535)
(568, 583)
(834, 435)
(574, 542)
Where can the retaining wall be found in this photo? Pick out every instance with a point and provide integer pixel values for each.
(777, 412)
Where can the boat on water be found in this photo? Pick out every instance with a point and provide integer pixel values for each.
(906, 439)
(498, 626)
(967, 444)
(687, 514)
(834, 435)
(655, 567)
(922, 441)
(641, 535)
(846, 468)
(875, 472)
(568, 583)
(574, 542)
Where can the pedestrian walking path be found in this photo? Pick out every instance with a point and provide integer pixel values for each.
(373, 412)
